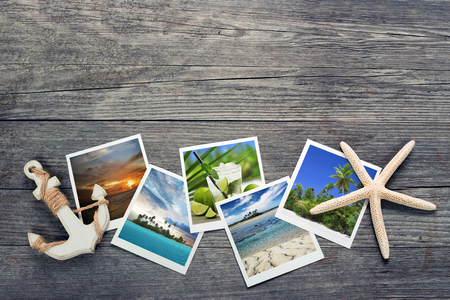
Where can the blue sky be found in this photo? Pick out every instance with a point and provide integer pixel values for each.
(163, 196)
(262, 200)
(318, 166)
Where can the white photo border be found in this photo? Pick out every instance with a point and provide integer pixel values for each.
(116, 240)
(319, 229)
(113, 224)
(282, 269)
(217, 224)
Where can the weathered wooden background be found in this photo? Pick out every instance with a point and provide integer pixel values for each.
(80, 73)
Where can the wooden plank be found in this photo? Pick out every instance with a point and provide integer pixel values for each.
(328, 97)
(36, 78)
(280, 143)
(417, 272)
(366, 34)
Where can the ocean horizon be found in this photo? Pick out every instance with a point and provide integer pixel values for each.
(155, 243)
(263, 233)
(118, 204)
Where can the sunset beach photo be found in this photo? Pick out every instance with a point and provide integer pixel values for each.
(117, 167)
(264, 243)
(157, 225)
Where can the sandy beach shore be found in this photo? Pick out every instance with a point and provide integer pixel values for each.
(278, 255)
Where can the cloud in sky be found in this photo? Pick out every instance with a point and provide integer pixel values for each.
(262, 200)
(116, 168)
(268, 199)
(163, 196)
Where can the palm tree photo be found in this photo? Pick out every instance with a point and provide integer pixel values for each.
(343, 220)
(343, 175)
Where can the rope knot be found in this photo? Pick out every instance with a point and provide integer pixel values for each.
(53, 197)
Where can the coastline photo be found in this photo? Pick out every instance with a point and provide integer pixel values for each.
(264, 245)
(322, 174)
(156, 225)
(117, 167)
(215, 172)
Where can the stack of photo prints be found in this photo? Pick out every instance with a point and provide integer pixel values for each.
(161, 216)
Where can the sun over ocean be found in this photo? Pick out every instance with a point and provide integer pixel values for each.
(155, 243)
(263, 233)
(117, 207)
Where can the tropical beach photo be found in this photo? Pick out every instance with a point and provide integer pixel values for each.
(117, 167)
(157, 225)
(215, 172)
(321, 175)
(262, 241)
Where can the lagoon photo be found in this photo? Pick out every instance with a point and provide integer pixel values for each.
(157, 225)
(117, 167)
(323, 174)
(266, 246)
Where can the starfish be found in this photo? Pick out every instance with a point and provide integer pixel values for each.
(375, 190)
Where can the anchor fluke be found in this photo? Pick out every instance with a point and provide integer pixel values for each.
(98, 193)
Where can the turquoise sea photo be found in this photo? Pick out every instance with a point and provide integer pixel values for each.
(157, 224)
(266, 246)
(263, 233)
(154, 242)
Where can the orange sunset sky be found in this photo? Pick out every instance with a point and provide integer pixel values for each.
(118, 168)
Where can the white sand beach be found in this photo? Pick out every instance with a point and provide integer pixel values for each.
(278, 255)
(252, 219)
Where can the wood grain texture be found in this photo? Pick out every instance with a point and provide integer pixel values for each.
(277, 99)
(375, 74)
(281, 144)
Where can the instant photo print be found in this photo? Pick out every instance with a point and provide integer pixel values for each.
(215, 172)
(265, 246)
(156, 225)
(117, 167)
(322, 174)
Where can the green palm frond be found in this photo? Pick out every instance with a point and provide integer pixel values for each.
(253, 176)
(200, 171)
(185, 156)
(344, 180)
(351, 181)
(197, 163)
(194, 172)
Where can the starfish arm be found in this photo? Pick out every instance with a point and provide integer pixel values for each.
(406, 200)
(395, 162)
(340, 202)
(356, 164)
(378, 225)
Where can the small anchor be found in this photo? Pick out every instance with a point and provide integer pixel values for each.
(82, 238)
